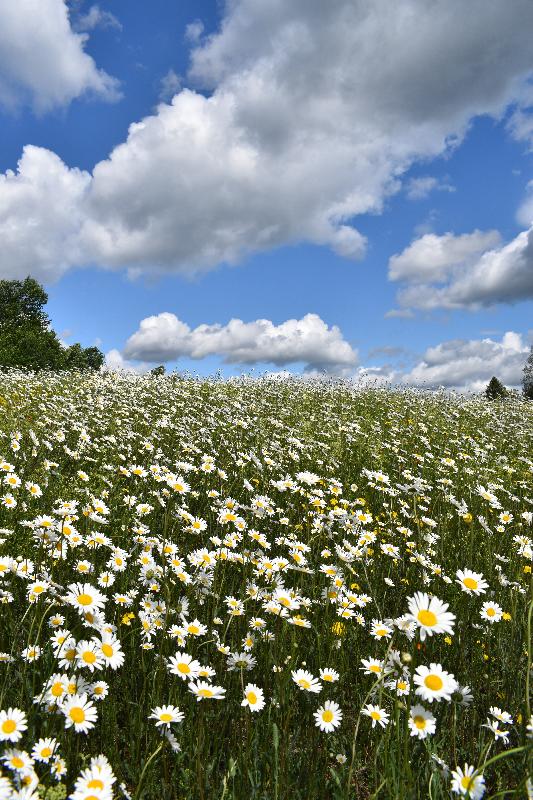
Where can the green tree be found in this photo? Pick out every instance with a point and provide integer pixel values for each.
(26, 339)
(527, 378)
(495, 389)
(158, 371)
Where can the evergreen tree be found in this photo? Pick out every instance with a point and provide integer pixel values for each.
(495, 389)
(527, 379)
(26, 339)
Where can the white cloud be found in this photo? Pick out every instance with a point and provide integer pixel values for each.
(170, 85)
(42, 59)
(524, 215)
(97, 17)
(432, 257)
(308, 340)
(316, 111)
(419, 188)
(114, 360)
(450, 271)
(471, 364)
(40, 216)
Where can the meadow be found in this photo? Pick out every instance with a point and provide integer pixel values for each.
(268, 589)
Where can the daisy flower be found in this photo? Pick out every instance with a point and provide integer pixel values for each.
(166, 715)
(306, 681)
(467, 782)
(44, 749)
(85, 598)
(434, 683)
(13, 723)
(421, 723)
(328, 717)
(430, 614)
(501, 716)
(329, 675)
(253, 697)
(183, 665)
(206, 691)
(79, 712)
(491, 612)
(378, 715)
(471, 582)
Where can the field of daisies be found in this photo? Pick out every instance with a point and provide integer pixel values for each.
(268, 589)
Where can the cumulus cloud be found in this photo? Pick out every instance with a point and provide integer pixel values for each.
(432, 257)
(470, 364)
(420, 188)
(308, 340)
(170, 85)
(316, 110)
(42, 60)
(465, 365)
(468, 271)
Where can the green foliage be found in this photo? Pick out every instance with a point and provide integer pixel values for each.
(27, 341)
(495, 389)
(158, 371)
(527, 379)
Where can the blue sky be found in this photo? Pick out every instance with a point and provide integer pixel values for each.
(309, 178)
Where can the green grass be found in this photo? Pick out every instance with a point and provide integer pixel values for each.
(435, 451)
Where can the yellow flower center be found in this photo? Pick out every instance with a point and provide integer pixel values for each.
(194, 629)
(205, 693)
(165, 717)
(252, 698)
(467, 782)
(77, 714)
(327, 716)
(57, 689)
(184, 669)
(84, 599)
(304, 683)
(107, 650)
(46, 752)
(470, 583)
(420, 722)
(8, 726)
(95, 783)
(433, 682)
(427, 618)
(17, 762)
(491, 612)
(375, 715)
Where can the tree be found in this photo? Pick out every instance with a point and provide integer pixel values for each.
(26, 339)
(157, 372)
(527, 378)
(495, 389)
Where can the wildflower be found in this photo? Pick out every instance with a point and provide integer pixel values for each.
(85, 598)
(378, 715)
(471, 582)
(44, 749)
(468, 782)
(434, 683)
(13, 723)
(306, 681)
(79, 712)
(491, 612)
(253, 697)
(166, 715)
(329, 675)
(206, 691)
(184, 666)
(422, 723)
(328, 717)
(431, 615)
